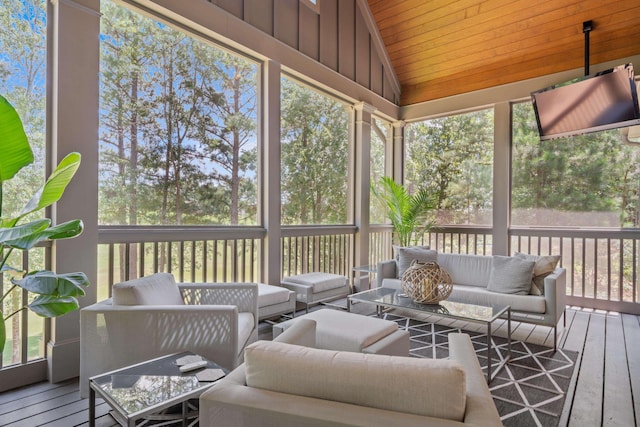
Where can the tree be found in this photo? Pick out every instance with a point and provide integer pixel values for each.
(314, 156)
(452, 157)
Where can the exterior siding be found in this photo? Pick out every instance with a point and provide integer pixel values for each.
(337, 36)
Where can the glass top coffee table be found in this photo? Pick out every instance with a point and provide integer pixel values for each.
(387, 298)
(144, 390)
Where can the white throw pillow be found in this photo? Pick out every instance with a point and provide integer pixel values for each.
(156, 289)
(510, 275)
(428, 387)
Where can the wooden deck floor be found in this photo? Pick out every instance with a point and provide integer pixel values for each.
(606, 391)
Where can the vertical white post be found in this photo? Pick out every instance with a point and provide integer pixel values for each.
(501, 177)
(397, 172)
(73, 120)
(362, 193)
(271, 200)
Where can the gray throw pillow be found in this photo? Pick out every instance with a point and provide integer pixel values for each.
(396, 250)
(545, 265)
(406, 255)
(510, 275)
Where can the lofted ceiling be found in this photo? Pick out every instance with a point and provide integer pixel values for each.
(440, 48)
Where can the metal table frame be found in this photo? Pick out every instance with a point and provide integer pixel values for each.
(387, 298)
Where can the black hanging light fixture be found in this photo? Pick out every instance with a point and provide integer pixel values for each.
(587, 26)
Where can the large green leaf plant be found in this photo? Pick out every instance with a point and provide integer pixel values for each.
(55, 294)
(409, 213)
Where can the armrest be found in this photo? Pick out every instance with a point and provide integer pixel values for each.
(386, 270)
(555, 290)
(302, 332)
(480, 409)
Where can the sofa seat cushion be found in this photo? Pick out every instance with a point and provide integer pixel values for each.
(428, 387)
(471, 270)
(476, 295)
(246, 323)
(340, 330)
(271, 295)
(319, 281)
(156, 289)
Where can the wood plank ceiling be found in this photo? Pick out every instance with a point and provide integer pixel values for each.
(440, 48)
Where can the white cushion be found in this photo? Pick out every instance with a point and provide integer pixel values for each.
(428, 387)
(157, 289)
(319, 281)
(406, 255)
(482, 296)
(510, 275)
(271, 295)
(340, 330)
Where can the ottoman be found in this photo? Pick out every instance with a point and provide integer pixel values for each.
(311, 288)
(275, 300)
(344, 331)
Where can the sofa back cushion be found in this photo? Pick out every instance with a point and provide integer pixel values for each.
(472, 270)
(406, 255)
(511, 275)
(428, 387)
(156, 289)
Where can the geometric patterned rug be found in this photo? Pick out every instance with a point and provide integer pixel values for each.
(530, 390)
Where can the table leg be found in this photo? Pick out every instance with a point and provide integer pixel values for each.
(488, 352)
(185, 411)
(92, 407)
(509, 333)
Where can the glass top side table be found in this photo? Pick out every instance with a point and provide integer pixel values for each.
(144, 390)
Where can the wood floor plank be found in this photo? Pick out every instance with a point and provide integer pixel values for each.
(587, 401)
(577, 332)
(23, 392)
(631, 327)
(82, 417)
(25, 416)
(617, 407)
(38, 397)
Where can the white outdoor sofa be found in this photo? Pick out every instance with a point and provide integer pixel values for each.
(470, 276)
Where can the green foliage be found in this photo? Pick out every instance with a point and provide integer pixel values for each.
(314, 134)
(177, 127)
(453, 158)
(409, 214)
(587, 180)
(56, 294)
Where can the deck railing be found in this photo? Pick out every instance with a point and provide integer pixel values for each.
(26, 332)
(328, 249)
(192, 254)
(602, 265)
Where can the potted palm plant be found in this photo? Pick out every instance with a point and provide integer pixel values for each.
(409, 213)
(51, 294)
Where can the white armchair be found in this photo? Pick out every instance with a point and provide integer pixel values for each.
(153, 316)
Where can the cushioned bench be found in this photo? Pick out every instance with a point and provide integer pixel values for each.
(340, 330)
(274, 301)
(312, 288)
